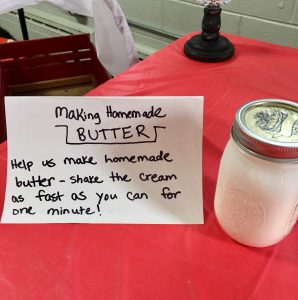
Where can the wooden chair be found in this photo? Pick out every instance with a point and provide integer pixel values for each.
(58, 66)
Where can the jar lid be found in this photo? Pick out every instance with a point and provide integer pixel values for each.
(268, 128)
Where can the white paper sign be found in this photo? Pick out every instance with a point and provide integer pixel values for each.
(104, 160)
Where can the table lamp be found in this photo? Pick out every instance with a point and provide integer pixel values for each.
(209, 45)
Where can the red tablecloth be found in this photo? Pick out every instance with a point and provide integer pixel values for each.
(181, 262)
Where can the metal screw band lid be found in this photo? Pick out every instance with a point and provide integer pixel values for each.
(268, 128)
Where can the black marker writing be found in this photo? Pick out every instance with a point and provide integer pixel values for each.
(80, 196)
(73, 211)
(53, 197)
(76, 114)
(117, 177)
(17, 199)
(136, 196)
(112, 136)
(156, 177)
(83, 160)
(84, 179)
(35, 182)
(23, 210)
(161, 156)
(133, 114)
(22, 164)
(167, 194)
(106, 197)
(48, 163)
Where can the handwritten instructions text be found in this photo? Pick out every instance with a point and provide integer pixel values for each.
(104, 160)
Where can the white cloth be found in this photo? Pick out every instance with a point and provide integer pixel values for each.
(113, 39)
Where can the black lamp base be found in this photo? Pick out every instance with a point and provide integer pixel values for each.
(209, 51)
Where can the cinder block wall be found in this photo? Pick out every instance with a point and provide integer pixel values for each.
(274, 21)
(155, 23)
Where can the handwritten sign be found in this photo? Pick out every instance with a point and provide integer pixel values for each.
(104, 160)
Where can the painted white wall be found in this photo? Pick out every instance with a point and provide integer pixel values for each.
(155, 23)
(274, 21)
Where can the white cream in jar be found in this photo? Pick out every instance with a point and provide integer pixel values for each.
(256, 199)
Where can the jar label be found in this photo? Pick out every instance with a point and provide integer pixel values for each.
(274, 123)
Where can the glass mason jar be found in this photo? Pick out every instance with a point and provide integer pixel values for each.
(256, 198)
